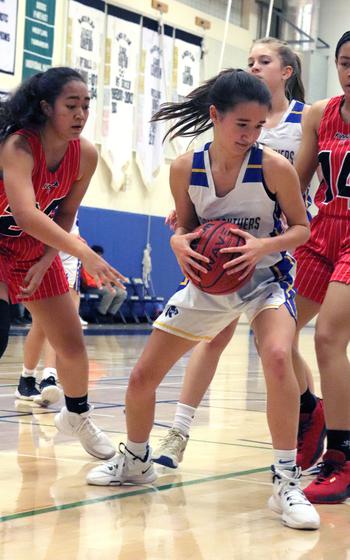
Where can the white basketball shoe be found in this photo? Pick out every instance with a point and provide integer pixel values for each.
(290, 502)
(90, 436)
(171, 449)
(125, 468)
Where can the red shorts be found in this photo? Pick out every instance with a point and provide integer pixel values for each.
(324, 258)
(16, 258)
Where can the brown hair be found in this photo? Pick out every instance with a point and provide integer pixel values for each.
(294, 86)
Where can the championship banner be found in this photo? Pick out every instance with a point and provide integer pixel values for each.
(121, 67)
(8, 26)
(39, 33)
(186, 74)
(86, 20)
(154, 79)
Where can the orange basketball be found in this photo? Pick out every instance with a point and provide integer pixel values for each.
(216, 235)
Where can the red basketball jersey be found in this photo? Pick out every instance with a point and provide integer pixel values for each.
(333, 195)
(50, 187)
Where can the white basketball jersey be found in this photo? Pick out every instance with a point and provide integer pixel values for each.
(285, 138)
(250, 205)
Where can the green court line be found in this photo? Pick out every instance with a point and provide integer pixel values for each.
(130, 494)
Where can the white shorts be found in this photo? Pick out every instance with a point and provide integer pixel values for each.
(71, 267)
(195, 315)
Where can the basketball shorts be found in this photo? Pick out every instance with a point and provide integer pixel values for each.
(17, 256)
(71, 267)
(196, 315)
(324, 258)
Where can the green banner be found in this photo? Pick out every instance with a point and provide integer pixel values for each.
(41, 10)
(38, 36)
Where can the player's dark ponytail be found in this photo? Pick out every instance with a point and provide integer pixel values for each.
(22, 109)
(294, 87)
(224, 91)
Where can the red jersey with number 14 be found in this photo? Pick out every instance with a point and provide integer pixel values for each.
(333, 195)
(50, 187)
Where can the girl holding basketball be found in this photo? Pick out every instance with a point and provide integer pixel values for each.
(45, 171)
(275, 63)
(231, 178)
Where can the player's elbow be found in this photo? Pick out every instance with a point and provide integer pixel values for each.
(304, 233)
(23, 218)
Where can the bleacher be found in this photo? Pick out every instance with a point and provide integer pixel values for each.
(142, 305)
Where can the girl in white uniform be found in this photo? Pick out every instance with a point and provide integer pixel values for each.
(235, 179)
(278, 66)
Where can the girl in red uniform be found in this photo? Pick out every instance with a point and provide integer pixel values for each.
(323, 277)
(45, 171)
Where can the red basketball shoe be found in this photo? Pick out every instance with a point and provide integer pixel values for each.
(332, 485)
(311, 436)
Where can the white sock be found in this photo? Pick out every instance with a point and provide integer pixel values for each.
(183, 418)
(28, 372)
(138, 449)
(49, 372)
(285, 459)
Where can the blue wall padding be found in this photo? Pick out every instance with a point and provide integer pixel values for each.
(123, 235)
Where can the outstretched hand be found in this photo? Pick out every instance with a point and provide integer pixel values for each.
(171, 220)
(103, 272)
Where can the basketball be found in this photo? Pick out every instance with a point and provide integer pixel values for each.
(216, 235)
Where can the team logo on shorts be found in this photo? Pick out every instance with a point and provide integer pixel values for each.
(171, 311)
(49, 186)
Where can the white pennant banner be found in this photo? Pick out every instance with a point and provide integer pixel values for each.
(155, 75)
(85, 51)
(186, 77)
(122, 55)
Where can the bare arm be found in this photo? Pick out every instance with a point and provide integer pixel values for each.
(306, 162)
(187, 219)
(17, 164)
(282, 180)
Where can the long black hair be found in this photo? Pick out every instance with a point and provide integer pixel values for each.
(224, 91)
(22, 109)
(343, 39)
(294, 87)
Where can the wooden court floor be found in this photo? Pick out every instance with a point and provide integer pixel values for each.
(212, 508)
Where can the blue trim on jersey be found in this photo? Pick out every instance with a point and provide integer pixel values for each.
(277, 222)
(199, 174)
(296, 113)
(253, 172)
(282, 274)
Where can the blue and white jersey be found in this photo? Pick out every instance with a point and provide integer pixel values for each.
(285, 137)
(250, 205)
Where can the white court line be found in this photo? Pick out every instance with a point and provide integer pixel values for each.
(49, 458)
(251, 481)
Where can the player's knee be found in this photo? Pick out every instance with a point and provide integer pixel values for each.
(5, 322)
(140, 382)
(276, 359)
(328, 342)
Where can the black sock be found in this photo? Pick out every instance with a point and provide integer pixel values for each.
(77, 404)
(340, 441)
(5, 322)
(308, 402)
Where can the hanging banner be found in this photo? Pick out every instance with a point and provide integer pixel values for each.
(86, 21)
(154, 80)
(186, 75)
(8, 26)
(38, 36)
(121, 66)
